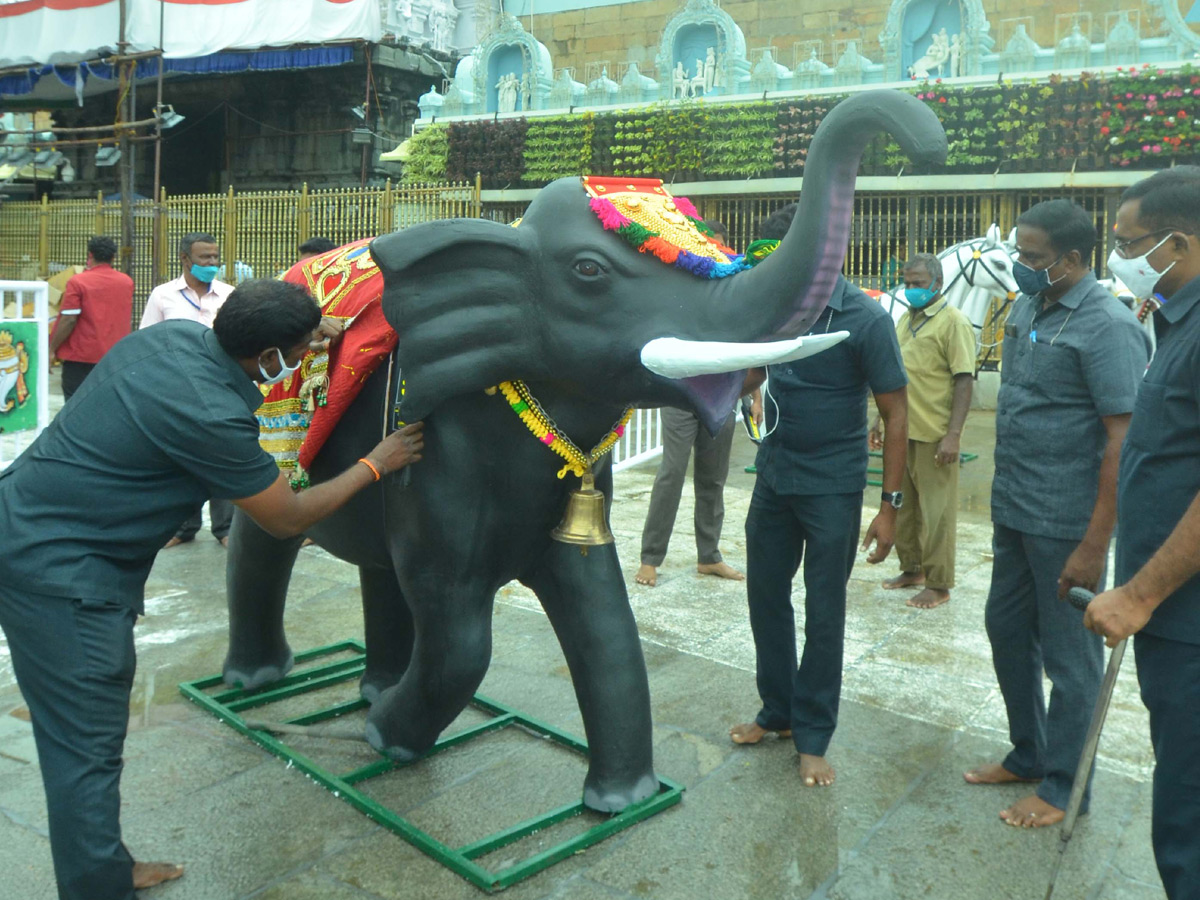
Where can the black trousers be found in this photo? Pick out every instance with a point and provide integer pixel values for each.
(73, 374)
(74, 661)
(1169, 676)
(781, 531)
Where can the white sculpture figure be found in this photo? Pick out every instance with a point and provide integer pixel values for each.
(679, 83)
(506, 97)
(526, 92)
(697, 84)
(710, 70)
(956, 55)
(719, 74)
(440, 23)
(935, 57)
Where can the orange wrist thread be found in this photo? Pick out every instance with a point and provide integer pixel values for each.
(370, 465)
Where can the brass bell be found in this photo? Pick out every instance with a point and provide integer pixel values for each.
(584, 522)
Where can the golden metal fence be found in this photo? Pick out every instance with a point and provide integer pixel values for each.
(259, 231)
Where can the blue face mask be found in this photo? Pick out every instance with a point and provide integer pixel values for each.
(919, 298)
(205, 274)
(1034, 281)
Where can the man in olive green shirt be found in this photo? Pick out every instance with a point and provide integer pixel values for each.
(938, 345)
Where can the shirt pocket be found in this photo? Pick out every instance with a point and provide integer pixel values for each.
(1054, 368)
(1149, 416)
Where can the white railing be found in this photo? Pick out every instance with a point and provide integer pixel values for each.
(642, 440)
(17, 428)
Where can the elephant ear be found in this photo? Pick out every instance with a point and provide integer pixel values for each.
(458, 293)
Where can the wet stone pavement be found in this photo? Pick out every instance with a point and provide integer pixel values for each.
(920, 705)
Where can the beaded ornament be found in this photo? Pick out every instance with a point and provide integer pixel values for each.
(546, 431)
(643, 212)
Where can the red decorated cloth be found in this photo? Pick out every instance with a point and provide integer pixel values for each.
(304, 409)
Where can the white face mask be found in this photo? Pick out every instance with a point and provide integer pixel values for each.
(1137, 274)
(284, 369)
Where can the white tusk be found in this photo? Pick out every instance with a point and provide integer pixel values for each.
(677, 358)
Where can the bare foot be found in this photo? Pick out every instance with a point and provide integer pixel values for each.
(174, 542)
(752, 733)
(147, 875)
(647, 575)
(994, 773)
(930, 598)
(903, 580)
(814, 771)
(1032, 812)
(224, 542)
(721, 570)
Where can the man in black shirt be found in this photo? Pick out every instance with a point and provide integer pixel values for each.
(164, 421)
(1157, 254)
(807, 504)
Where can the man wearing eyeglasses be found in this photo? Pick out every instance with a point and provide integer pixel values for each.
(1157, 254)
(1072, 362)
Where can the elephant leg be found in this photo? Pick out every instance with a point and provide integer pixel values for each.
(585, 600)
(389, 630)
(450, 656)
(256, 582)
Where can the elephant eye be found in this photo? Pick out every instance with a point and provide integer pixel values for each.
(588, 268)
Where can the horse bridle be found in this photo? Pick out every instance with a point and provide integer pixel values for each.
(967, 271)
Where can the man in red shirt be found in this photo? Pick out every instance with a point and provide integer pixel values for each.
(95, 313)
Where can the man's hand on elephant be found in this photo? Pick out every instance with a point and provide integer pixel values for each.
(883, 532)
(328, 332)
(399, 449)
(1116, 615)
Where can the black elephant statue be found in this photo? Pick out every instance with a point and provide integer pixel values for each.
(590, 327)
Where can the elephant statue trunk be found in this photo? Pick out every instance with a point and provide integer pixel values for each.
(795, 282)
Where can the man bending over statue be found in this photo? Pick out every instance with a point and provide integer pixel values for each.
(165, 421)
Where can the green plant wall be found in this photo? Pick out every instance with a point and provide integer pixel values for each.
(1140, 116)
(427, 156)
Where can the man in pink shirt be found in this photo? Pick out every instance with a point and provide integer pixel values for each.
(195, 295)
(95, 313)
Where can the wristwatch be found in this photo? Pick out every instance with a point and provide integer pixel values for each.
(894, 500)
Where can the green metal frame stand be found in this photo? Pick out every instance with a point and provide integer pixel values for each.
(228, 704)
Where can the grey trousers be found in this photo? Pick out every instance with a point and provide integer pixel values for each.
(220, 513)
(683, 433)
(74, 661)
(1031, 629)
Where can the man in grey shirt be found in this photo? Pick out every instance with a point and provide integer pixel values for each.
(1073, 359)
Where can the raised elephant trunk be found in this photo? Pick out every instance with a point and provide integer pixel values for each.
(791, 287)
(781, 297)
